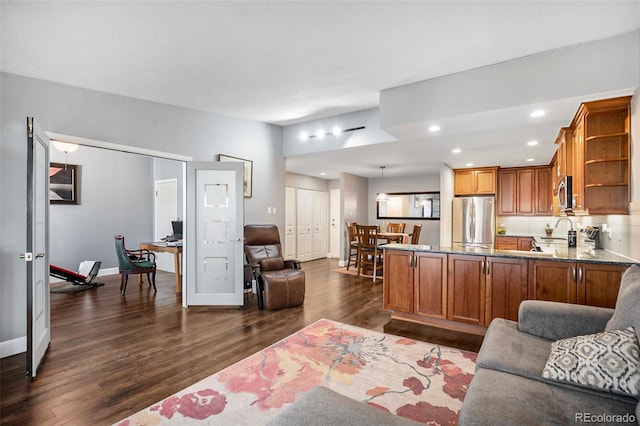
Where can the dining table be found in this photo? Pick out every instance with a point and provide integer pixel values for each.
(394, 237)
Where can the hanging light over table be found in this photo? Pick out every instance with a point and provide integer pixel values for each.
(382, 196)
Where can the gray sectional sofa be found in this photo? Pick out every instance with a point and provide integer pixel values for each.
(509, 388)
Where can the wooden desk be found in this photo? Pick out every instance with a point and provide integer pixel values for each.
(177, 254)
(394, 237)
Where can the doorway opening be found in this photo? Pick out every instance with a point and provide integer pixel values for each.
(125, 189)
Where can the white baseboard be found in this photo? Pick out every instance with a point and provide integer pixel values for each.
(108, 271)
(342, 263)
(13, 347)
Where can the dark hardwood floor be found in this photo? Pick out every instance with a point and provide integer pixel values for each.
(112, 356)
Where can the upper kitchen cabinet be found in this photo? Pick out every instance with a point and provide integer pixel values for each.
(481, 181)
(564, 158)
(602, 146)
(524, 191)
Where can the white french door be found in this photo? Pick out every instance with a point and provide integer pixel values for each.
(37, 254)
(214, 240)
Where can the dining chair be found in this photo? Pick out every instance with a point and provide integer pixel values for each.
(135, 262)
(352, 233)
(415, 235)
(396, 227)
(369, 254)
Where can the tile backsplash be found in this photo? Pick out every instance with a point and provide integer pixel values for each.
(624, 236)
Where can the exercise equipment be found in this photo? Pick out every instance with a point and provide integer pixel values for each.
(87, 271)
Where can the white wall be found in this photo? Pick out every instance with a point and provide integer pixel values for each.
(295, 180)
(430, 233)
(117, 119)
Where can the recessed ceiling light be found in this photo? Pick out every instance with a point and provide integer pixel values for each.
(320, 134)
(304, 136)
(537, 113)
(469, 164)
(434, 128)
(530, 159)
(336, 131)
(323, 174)
(456, 150)
(532, 143)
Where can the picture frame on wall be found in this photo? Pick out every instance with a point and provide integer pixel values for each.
(63, 184)
(247, 175)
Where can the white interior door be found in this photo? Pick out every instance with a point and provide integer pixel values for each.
(335, 223)
(290, 223)
(319, 212)
(304, 222)
(166, 210)
(37, 254)
(213, 241)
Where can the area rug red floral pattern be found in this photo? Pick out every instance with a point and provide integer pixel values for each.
(413, 379)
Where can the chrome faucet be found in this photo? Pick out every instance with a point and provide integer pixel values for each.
(564, 218)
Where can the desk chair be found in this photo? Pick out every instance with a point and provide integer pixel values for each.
(135, 262)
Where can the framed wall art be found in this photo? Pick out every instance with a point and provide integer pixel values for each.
(248, 172)
(63, 183)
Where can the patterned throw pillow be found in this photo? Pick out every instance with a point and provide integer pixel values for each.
(609, 361)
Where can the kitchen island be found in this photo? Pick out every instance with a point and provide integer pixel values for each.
(463, 288)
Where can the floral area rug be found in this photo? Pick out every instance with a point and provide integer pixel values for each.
(413, 379)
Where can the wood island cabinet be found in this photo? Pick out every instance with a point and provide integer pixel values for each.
(398, 280)
(415, 282)
(484, 288)
(465, 292)
(506, 288)
(480, 181)
(466, 282)
(575, 282)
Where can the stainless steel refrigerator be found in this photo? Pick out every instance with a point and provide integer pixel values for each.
(474, 221)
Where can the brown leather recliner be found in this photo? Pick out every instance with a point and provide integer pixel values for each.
(280, 282)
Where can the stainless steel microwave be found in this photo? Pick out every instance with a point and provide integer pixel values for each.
(565, 193)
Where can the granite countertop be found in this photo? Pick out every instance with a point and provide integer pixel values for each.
(554, 252)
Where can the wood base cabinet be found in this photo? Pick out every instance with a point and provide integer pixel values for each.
(466, 292)
(430, 284)
(415, 282)
(506, 288)
(575, 282)
(484, 288)
(398, 280)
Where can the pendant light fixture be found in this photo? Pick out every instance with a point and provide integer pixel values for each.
(382, 196)
(65, 147)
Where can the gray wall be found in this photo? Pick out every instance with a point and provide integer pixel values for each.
(430, 233)
(354, 205)
(116, 197)
(121, 120)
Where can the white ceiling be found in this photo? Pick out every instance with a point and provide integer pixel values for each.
(290, 62)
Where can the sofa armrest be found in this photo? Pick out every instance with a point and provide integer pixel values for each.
(555, 320)
(292, 264)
